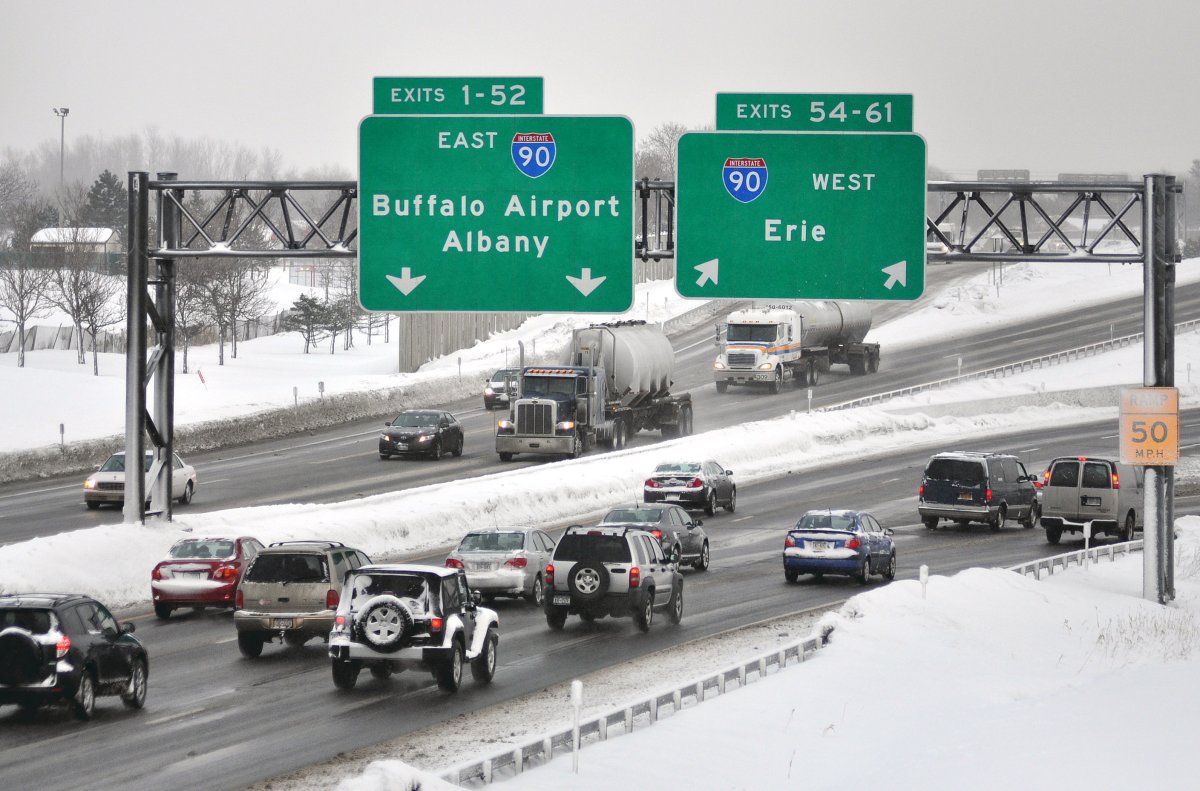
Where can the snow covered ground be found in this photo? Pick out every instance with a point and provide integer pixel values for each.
(988, 681)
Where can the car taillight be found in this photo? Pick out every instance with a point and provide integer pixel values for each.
(652, 484)
(987, 496)
(1116, 481)
(225, 573)
(239, 601)
(789, 541)
(453, 563)
(63, 646)
(436, 624)
(696, 484)
(853, 543)
(656, 533)
(517, 563)
(635, 577)
(331, 599)
(156, 574)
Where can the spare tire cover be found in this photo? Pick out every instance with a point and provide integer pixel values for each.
(384, 622)
(21, 659)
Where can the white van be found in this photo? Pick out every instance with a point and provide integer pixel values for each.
(1077, 490)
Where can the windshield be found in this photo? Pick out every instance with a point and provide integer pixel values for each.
(492, 542)
(544, 386)
(202, 548)
(416, 419)
(634, 515)
(288, 568)
(683, 467)
(825, 522)
(762, 333)
(960, 470)
(32, 621)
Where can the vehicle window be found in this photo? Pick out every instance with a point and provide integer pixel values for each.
(108, 624)
(682, 467)
(201, 549)
(33, 621)
(646, 516)
(599, 548)
(1065, 473)
(492, 542)
(825, 522)
(1096, 476)
(416, 419)
(962, 470)
(451, 601)
(278, 567)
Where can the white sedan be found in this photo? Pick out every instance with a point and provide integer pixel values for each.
(107, 483)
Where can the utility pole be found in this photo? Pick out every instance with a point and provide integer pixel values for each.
(61, 112)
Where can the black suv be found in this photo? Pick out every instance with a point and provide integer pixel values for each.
(611, 570)
(398, 616)
(976, 487)
(64, 647)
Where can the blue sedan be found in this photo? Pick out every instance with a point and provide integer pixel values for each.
(852, 543)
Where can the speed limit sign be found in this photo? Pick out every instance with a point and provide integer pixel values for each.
(1150, 426)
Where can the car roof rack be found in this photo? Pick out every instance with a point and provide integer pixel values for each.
(317, 542)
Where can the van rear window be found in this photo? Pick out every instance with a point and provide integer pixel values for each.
(960, 470)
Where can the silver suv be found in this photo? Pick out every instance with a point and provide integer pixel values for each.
(290, 591)
(611, 570)
(395, 617)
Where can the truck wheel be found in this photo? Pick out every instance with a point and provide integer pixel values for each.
(722, 387)
(777, 382)
(505, 456)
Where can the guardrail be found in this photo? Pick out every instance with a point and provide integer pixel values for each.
(1060, 562)
(1006, 369)
(648, 710)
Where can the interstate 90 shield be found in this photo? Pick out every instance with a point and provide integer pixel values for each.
(745, 179)
(533, 153)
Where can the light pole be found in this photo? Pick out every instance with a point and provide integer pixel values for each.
(61, 112)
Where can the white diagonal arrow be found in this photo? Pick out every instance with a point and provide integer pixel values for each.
(585, 282)
(897, 273)
(708, 271)
(406, 282)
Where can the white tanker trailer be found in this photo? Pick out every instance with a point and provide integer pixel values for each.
(793, 342)
(615, 380)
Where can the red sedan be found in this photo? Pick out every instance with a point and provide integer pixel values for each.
(201, 572)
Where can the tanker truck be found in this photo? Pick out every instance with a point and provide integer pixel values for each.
(615, 380)
(793, 342)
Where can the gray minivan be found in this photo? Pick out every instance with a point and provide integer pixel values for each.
(1079, 489)
(976, 487)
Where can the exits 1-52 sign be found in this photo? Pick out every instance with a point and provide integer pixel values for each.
(1150, 426)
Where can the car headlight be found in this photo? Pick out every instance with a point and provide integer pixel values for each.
(89, 484)
(766, 366)
(719, 364)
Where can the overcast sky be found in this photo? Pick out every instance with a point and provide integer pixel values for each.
(1052, 86)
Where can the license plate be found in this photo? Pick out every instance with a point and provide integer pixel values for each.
(966, 496)
(819, 546)
(281, 623)
(561, 599)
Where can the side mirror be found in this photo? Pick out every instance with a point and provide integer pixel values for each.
(127, 627)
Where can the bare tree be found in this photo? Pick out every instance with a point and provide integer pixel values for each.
(23, 287)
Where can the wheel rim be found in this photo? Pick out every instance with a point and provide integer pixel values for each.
(587, 581)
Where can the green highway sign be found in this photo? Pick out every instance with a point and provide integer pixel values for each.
(800, 216)
(458, 95)
(815, 112)
(495, 213)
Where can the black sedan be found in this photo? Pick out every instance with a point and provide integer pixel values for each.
(692, 484)
(421, 432)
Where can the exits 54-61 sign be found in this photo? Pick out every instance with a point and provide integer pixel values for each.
(496, 213)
